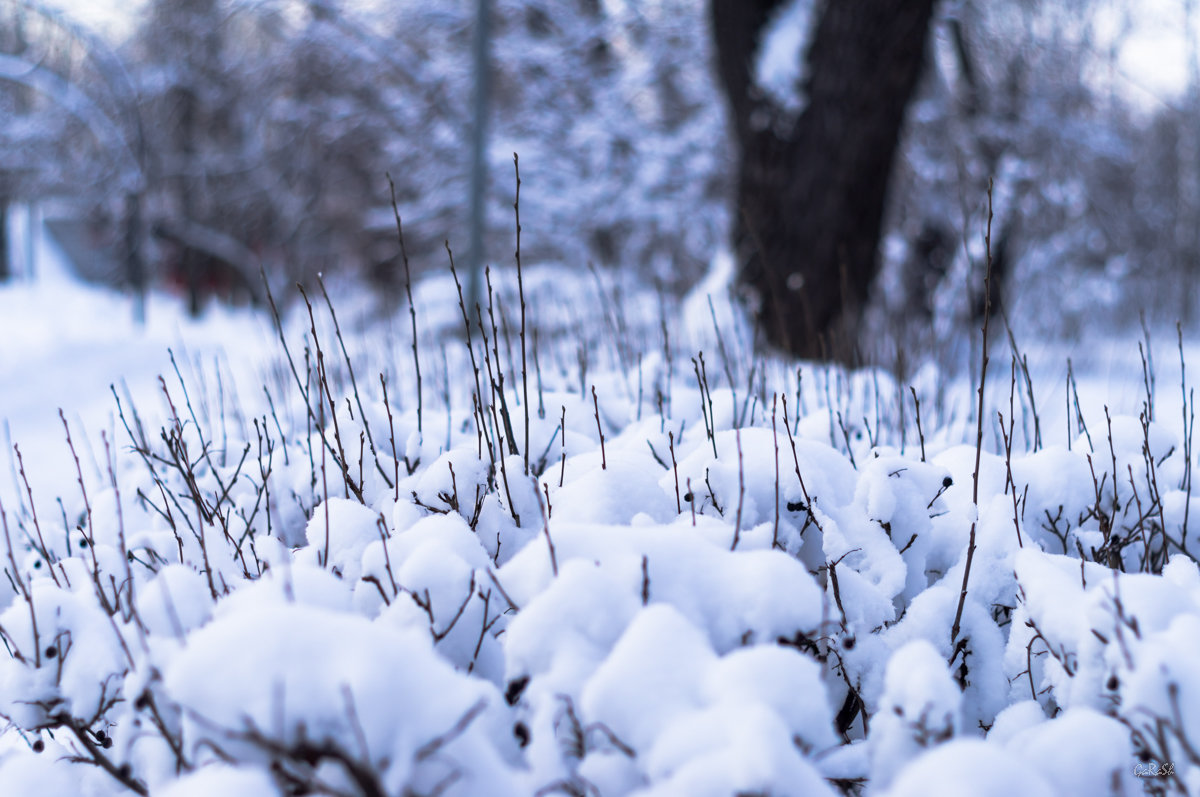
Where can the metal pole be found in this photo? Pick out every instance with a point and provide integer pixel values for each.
(4, 260)
(31, 242)
(480, 45)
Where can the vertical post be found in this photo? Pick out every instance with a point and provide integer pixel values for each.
(1187, 242)
(135, 267)
(4, 271)
(479, 45)
(31, 239)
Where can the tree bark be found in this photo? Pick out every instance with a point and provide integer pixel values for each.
(811, 190)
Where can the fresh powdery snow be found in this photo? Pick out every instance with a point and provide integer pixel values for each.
(625, 555)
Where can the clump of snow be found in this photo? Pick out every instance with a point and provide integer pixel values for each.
(652, 676)
(64, 655)
(305, 678)
(920, 709)
(340, 530)
(225, 780)
(1080, 752)
(969, 766)
(174, 602)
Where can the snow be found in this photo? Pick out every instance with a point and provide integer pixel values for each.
(76, 650)
(342, 529)
(783, 680)
(1052, 748)
(48, 774)
(730, 748)
(296, 676)
(676, 612)
(778, 64)
(613, 493)
(920, 708)
(174, 602)
(969, 766)
(651, 678)
(66, 343)
(223, 779)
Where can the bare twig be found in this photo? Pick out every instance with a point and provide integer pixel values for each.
(987, 308)
(412, 308)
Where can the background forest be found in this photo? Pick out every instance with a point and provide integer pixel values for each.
(201, 139)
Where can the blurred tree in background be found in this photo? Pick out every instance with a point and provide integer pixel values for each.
(269, 128)
(218, 136)
(1025, 94)
(816, 159)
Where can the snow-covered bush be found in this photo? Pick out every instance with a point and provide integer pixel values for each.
(519, 563)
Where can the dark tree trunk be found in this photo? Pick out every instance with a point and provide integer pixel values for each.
(811, 190)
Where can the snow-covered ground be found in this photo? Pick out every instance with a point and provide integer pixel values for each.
(580, 562)
(63, 344)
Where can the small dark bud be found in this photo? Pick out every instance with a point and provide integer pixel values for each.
(142, 703)
(848, 643)
(899, 711)
(38, 745)
(124, 770)
(946, 482)
(101, 736)
(521, 731)
(50, 652)
(689, 497)
(515, 688)
(796, 506)
(129, 555)
(106, 742)
(1112, 683)
(37, 565)
(82, 542)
